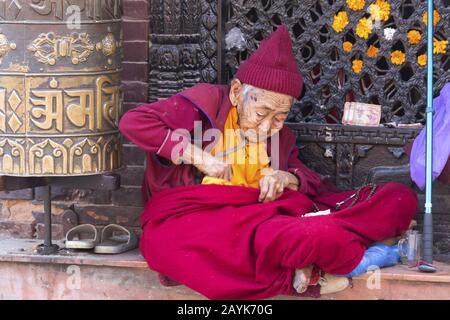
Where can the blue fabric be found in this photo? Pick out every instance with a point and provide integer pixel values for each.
(379, 255)
(441, 147)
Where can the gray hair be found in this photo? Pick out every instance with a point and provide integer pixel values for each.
(246, 90)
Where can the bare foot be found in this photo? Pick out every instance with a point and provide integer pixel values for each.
(332, 284)
(301, 279)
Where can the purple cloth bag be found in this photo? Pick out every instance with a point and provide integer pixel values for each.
(441, 141)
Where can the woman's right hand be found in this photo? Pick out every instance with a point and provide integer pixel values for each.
(214, 167)
(207, 163)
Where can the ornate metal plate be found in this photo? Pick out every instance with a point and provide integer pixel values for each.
(60, 92)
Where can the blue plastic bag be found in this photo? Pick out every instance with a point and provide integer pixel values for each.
(380, 256)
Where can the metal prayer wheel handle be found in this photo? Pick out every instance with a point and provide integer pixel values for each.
(103, 182)
(60, 87)
(11, 183)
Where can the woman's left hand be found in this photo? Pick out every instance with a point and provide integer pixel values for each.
(272, 185)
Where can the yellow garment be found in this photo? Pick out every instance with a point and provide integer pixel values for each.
(248, 163)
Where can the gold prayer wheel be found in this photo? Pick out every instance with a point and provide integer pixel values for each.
(60, 88)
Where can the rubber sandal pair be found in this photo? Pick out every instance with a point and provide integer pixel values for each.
(113, 239)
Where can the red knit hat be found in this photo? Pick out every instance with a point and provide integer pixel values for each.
(272, 66)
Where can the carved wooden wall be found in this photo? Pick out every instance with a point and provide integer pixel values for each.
(351, 50)
(183, 45)
(326, 48)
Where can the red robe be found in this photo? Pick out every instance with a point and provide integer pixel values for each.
(223, 243)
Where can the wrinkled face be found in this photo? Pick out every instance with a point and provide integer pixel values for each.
(261, 112)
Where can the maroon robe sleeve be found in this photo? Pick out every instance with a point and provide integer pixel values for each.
(151, 126)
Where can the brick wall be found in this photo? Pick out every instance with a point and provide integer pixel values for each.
(21, 211)
(135, 85)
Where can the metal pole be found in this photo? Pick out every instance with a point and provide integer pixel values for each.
(47, 216)
(47, 247)
(428, 218)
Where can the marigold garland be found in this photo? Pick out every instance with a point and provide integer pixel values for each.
(347, 46)
(372, 51)
(380, 10)
(340, 21)
(440, 46)
(422, 60)
(414, 37)
(436, 18)
(357, 65)
(398, 57)
(364, 28)
(356, 5)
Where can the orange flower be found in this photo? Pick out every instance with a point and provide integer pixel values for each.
(372, 51)
(347, 46)
(414, 37)
(422, 60)
(436, 17)
(340, 21)
(357, 65)
(398, 57)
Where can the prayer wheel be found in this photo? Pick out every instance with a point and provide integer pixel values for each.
(60, 88)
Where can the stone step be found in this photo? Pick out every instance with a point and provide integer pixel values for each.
(79, 275)
(83, 275)
(399, 282)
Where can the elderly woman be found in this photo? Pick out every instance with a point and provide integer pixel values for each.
(236, 215)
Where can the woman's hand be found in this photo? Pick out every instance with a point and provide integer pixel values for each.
(272, 185)
(213, 167)
(206, 162)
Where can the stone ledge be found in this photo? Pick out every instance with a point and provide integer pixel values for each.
(126, 276)
(404, 273)
(23, 250)
(79, 275)
(37, 281)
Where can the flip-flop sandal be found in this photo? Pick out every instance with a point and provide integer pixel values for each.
(84, 236)
(116, 239)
